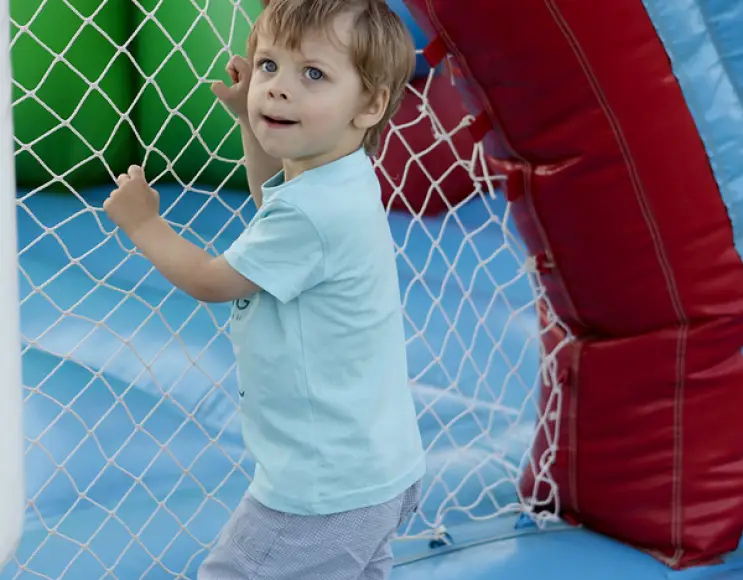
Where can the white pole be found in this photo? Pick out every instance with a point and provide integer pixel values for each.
(11, 432)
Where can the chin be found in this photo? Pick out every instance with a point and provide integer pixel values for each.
(275, 152)
(274, 149)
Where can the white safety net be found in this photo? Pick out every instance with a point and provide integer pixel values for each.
(133, 447)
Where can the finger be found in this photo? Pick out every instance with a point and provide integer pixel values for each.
(242, 66)
(232, 71)
(220, 90)
(122, 179)
(109, 200)
(136, 172)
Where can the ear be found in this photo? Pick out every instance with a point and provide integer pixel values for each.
(373, 110)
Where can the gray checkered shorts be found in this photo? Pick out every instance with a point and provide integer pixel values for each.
(259, 543)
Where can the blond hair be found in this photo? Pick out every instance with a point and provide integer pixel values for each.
(381, 47)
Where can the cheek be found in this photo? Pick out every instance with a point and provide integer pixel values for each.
(333, 110)
(252, 97)
(253, 106)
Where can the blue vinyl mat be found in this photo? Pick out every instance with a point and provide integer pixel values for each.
(134, 454)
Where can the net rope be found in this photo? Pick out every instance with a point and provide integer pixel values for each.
(93, 363)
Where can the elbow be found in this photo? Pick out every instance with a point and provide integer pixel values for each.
(204, 289)
(205, 292)
(217, 282)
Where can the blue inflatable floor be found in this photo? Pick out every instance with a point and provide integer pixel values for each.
(134, 456)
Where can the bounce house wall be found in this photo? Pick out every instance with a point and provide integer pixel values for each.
(614, 195)
(128, 117)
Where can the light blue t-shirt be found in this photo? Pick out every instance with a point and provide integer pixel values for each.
(327, 410)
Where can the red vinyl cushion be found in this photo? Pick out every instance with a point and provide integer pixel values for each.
(612, 192)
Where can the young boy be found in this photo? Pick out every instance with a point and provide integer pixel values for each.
(317, 321)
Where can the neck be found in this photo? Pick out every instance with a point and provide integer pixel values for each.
(293, 168)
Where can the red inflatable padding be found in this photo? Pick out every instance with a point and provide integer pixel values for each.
(640, 457)
(613, 194)
(424, 177)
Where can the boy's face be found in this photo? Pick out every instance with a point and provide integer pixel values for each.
(308, 107)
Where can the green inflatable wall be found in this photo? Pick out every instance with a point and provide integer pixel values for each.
(202, 140)
(69, 152)
(174, 123)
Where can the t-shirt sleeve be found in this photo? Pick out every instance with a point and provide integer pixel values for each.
(281, 252)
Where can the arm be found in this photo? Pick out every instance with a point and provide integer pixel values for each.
(135, 208)
(259, 165)
(187, 266)
(281, 254)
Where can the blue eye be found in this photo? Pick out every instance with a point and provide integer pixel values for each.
(314, 73)
(268, 66)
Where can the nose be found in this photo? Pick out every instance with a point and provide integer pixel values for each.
(278, 90)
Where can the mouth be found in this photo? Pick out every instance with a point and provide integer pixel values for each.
(279, 121)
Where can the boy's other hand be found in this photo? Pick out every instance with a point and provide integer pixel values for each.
(235, 96)
(134, 203)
